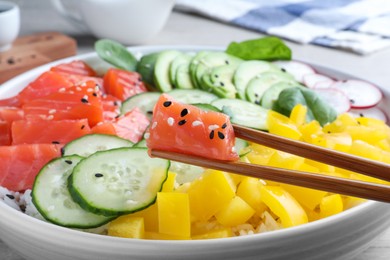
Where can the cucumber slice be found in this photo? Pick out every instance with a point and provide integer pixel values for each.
(179, 72)
(117, 181)
(239, 145)
(221, 78)
(145, 67)
(272, 93)
(161, 69)
(211, 60)
(141, 143)
(207, 107)
(242, 112)
(89, 144)
(259, 84)
(247, 70)
(185, 172)
(192, 96)
(53, 200)
(144, 101)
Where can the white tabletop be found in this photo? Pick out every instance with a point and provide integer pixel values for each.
(38, 16)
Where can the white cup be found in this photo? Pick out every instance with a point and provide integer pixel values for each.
(127, 21)
(9, 24)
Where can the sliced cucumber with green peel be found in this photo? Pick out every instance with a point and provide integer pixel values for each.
(247, 70)
(259, 84)
(161, 69)
(141, 143)
(145, 67)
(185, 172)
(193, 65)
(272, 93)
(207, 107)
(144, 101)
(222, 80)
(53, 200)
(192, 96)
(243, 113)
(117, 181)
(89, 144)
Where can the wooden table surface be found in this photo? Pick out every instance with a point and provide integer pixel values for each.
(39, 16)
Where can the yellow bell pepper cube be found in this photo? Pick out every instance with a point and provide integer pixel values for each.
(173, 214)
(298, 114)
(340, 124)
(285, 160)
(260, 154)
(209, 194)
(169, 183)
(310, 198)
(150, 216)
(219, 233)
(279, 124)
(365, 133)
(249, 191)
(331, 205)
(364, 149)
(310, 130)
(236, 212)
(127, 226)
(283, 205)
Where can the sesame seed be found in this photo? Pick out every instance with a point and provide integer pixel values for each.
(83, 84)
(94, 94)
(61, 90)
(50, 117)
(98, 175)
(55, 142)
(221, 135)
(211, 134)
(184, 112)
(196, 123)
(84, 99)
(167, 103)
(224, 126)
(52, 111)
(222, 84)
(78, 88)
(171, 121)
(89, 89)
(68, 162)
(154, 125)
(82, 127)
(182, 122)
(10, 196)
(213, 127)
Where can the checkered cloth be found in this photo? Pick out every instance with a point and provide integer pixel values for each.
(361, 26)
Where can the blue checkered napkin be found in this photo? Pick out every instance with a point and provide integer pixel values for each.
(361, 26)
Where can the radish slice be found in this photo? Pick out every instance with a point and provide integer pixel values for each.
(324, 84)
(295, 68)
(360, 93)
(335, 98)
(373, 112)
(312, 80)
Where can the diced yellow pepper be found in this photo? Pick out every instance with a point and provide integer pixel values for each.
(173, 214)
(340, 124)
(260, 154)
(298, 114)
(281, 125)
(209, 194)
(236, 212)
(361, 148)
(367, 134)
(331, 205)
(220, 233)
(169, 184)
(322, 167)
(150, 216)
(310, 130)
(350, 202)
(249, 190)
(285, 160)
(127, 226)
(283, 205)
(310, 198)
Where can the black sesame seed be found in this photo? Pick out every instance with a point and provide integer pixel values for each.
(82, 127)
(257, 102)
(68, 162)
(211, 134)
(116, 103)
(182, 122)
(117, 116)
(98, 175)
(352, 101)
(139, 79)
(94, 94)
(227, 62)
(224, 126)
(167, 103)
(10, 196)
(55, 142)
(221, 83)
(62, 151)
(149, 112)
(184, 112)
(221, 135)
(216, 75)
(84, 100)
(282, 69)
(361, 115)
(329, 132)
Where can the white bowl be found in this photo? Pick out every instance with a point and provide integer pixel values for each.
(341, 236)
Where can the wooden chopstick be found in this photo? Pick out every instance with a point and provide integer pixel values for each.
(323, 182)
(332, 157)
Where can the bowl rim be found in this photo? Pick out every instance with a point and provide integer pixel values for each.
(7, 212)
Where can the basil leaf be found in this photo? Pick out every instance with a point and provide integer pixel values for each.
(317, 109)
(266, 48)
(116, 54)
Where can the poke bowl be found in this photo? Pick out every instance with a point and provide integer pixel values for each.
(339, 236)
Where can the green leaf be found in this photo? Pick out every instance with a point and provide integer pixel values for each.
(266, 48)
(317, 109)
(116, 54)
